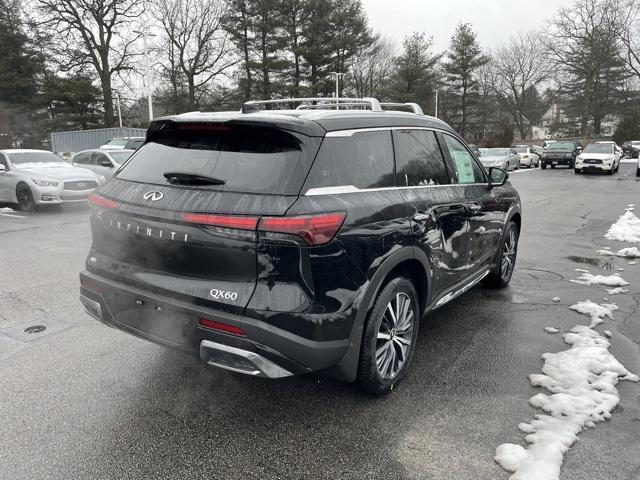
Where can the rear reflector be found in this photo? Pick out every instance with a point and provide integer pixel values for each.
(223, 327)
(90, 285)
(230, 221)
(102, 201)
(314, 229)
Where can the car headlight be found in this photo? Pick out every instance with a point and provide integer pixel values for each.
(44, 183)
(498, 162)
(101, 180)
(567, 155)
(579, 158)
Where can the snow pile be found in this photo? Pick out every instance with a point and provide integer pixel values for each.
(582, 384)
(607, 333)
(595, 311)
(616, 291)
(551, 329)
(555, 299)
(631, 252)
(614, 280)
(626, 229)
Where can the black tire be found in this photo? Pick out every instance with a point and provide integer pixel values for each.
(576, 170)
(26, 203)
(543, 166)
(370, 377)
(637, 171)
(498, 277)
(610, 172)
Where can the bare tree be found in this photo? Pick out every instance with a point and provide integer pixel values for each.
(630, 37)
(94, 33)
(372, 69)
(519, 68)
(199, 47)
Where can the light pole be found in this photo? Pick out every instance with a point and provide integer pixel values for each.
(147, 71)
(338, 75)
(436, 103)
(118, 105)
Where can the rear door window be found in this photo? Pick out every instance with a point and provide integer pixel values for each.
(419, 159)
(244, 159)
(362, 160)
(83, 159)
(466, 167)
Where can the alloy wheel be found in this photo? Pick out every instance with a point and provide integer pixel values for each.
(394, 336)
(508, 255)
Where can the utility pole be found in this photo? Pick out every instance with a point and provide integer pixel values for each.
(118, 105)
(147, 70)
(338, 76)
(436, 103)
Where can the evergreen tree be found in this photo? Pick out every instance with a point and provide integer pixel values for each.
(463, 59)
(416, 72)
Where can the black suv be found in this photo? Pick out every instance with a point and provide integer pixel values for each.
(561, 153)
(275, 243)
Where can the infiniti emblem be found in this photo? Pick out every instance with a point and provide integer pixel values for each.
(82, 184)
(153, 196)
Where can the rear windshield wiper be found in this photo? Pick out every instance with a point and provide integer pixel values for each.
(183, 178)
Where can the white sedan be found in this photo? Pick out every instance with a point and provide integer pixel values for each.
(528, 156)
(598, 157)
(29, 178)
(102, 162)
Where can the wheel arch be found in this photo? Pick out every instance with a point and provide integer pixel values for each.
(406, 261)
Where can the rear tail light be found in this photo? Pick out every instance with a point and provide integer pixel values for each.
(229, 221)
(314, 229)
(88, 284)
(223, 327)
(102, 201)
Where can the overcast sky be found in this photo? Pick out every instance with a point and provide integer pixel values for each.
(493, 20)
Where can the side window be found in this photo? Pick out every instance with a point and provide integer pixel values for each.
(466, 167)
(101, 160)
(419, 159)
(364, 160)
(82, 159)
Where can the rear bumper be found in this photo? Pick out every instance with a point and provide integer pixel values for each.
(264, 350)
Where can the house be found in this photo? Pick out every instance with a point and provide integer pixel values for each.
(556, 123)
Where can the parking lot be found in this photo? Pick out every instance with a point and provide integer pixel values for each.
(79, 400)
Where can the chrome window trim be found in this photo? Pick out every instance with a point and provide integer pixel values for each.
(353, 131)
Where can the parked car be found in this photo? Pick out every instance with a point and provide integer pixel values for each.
(29, 178)
(547, 143)
(561, 153)
(598, 157)
(528, 156)
(275, 243)
(129, 143)
(631, 149)
(103, 162)
(475, 150)
(505, 158)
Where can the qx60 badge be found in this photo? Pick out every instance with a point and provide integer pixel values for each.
(153, 196)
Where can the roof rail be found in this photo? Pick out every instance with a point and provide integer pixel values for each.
(415, 108)
(325, 103)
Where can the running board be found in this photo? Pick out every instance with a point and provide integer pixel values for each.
(456, 293)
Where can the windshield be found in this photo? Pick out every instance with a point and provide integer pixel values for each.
(635, 143)
(522, 150)
(599, 148)
(117, 142)
(120, 157)
(243, 159)
(497, 152)
(483, 151)
(34, 157)
(562, 146)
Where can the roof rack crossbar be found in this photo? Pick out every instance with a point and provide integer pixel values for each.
(415, 108)
(324, 102)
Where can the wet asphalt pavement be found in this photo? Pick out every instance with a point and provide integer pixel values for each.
(82, 401)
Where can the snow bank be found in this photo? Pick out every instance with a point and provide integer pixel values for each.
(616, 291)
(582, 384)
(626, 229)
(551, 329)
(631, 252)
(595, 311)
(555, 299)
(614, 280)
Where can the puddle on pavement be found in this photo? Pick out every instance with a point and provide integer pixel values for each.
(605, 264)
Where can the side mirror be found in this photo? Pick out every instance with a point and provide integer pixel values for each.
(105, 163)
(2, 168)
(497, 177)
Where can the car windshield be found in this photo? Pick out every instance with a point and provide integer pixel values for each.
(483, 151)
(599, 148)
(117, 142)
(522, 150)
(34, 157)
(120, 157)
(562, 146)
(497, 152)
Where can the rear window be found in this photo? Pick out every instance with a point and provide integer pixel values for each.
(246, 159)
(363, 160)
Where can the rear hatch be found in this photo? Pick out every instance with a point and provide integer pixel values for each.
(180, 216)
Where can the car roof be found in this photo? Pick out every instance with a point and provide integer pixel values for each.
(24, 150)
(309, 122)
(100, 150)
